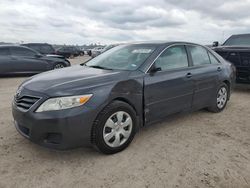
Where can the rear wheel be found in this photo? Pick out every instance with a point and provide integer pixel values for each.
(59, 66)
(221, 99)
(114, 129)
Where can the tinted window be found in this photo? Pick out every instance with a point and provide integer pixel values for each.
(238, 40)
(46, 49)
(199, 55)
(172, 58)
(213, 59)
(4, 51)
(35, 47)
(22, 52)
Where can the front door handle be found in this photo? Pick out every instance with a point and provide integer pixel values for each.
(189, 75)
(219, 69)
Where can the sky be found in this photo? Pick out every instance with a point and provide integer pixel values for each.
(115, 21)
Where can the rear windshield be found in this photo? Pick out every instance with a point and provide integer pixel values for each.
(238, 40)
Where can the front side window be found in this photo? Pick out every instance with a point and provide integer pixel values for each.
(35, 47)
(199, 55)
(172, 58)
(46, 49)
(124, 57)
(16, 51)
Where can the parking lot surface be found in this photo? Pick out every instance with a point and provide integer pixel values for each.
(201, 149)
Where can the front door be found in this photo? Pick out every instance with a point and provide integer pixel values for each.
(170, 89)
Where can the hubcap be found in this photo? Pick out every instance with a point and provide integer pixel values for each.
(117, 129)
(222, 98)
(58, 66)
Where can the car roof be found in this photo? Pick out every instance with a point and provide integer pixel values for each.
(161, 43)
(18, 46)
(11, 45)
(246, 34)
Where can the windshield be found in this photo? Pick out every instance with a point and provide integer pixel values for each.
(238, 40)
(125, 57)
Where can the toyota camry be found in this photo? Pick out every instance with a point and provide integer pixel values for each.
(104, 102)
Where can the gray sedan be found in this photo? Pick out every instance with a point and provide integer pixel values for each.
(107, 100)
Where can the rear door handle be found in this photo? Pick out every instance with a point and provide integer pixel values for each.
(189, 75)
(219, 69)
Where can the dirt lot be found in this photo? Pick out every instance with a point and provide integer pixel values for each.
(196, 150)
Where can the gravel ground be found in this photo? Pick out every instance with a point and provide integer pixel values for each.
(201, 149)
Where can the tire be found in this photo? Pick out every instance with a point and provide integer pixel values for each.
(58, 66)
(219, 104)
(116, 115)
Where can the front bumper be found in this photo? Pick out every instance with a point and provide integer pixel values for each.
(61, 130)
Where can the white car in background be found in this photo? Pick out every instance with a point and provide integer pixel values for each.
(96, 51)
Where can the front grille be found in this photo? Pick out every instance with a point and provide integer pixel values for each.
(25, 102)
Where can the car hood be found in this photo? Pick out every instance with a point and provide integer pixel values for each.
(232, 48)
(72, 79)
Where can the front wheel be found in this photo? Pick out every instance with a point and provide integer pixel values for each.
(221, 99)
(114, 128)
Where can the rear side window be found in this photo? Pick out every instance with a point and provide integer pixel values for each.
(213, 59)
(22, 52)
(199, 55)
(172, 58)
(4, 51)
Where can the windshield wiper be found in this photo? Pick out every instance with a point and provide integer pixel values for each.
(99, 67)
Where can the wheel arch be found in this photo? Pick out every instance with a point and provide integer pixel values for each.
(123, 99)
(120, 99)
(229, 87)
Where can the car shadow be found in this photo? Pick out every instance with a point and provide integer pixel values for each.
(89, 152)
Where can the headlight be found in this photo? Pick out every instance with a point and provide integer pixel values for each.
(62, 103)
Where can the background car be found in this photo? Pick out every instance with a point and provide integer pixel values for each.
(23, 60)
(96, 51)
(68, 51)
(44, 48)
(80, 50)
(236, 50)
(105, 101)
(108, 47)
(88, 51)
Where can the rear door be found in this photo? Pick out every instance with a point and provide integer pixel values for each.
(169, 90)
(205, 74)
(27, 61)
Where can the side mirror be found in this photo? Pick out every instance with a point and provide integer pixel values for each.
(215, 44)
(155, 69)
